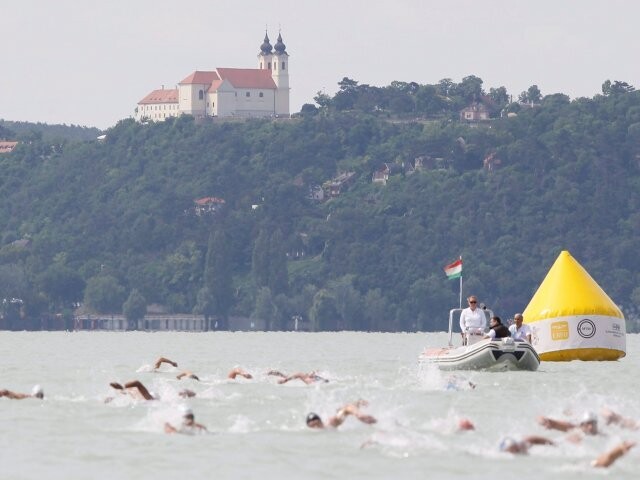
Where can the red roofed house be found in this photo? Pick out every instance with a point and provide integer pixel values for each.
(227, 92)
(207, 205)
(6, 147)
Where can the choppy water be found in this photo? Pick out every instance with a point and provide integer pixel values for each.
(258, 426)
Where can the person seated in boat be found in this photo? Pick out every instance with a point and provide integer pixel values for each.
(314, 421)
(36, 392)
(472, 321)
(520, 331)
(497, 329)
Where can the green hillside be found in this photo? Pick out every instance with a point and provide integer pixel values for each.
(89, 221)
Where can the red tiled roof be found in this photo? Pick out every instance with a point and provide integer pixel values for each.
(6, 147)
(161, 96)
(207, 200)
(248, 77)
(214, 85)
(202, 78)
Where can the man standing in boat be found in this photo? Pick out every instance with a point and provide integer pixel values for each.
(472, 322)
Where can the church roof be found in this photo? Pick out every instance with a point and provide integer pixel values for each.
(200, 77)
(248, 77)
(161, 96)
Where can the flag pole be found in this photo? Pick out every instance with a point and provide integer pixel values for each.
(460, 299)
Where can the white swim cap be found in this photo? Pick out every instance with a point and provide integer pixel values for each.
(589, 417)
(507, 443)
(186, 411)
(37, 390)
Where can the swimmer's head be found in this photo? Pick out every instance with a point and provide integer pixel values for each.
(186, 412)
(37, 391)
(465, 424)
(589, 423)
(314, 421)
(510, 445)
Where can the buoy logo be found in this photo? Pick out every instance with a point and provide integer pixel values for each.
(559, 331)
(586, 328)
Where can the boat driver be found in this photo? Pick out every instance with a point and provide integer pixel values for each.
(472, 322)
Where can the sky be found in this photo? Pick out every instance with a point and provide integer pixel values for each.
(84, 62)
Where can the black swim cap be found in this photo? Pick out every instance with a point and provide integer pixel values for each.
(312, 417)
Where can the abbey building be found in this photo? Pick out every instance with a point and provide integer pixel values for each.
(227, 92)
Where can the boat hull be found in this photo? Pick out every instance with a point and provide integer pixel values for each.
(492, 355)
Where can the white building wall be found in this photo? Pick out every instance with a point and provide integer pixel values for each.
(249, 103)
(157, 111)
(189, 99)
(281, 79)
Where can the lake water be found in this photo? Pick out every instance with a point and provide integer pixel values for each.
(258, 428)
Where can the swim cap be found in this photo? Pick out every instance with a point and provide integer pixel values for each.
(589, 417)
(507, 444)
(312, 417)
(37, 391)
(186, 411)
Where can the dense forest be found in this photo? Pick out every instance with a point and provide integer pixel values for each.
(296, 226)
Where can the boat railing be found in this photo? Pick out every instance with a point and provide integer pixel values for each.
(487, 313)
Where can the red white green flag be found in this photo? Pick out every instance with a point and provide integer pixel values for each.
(454, 270)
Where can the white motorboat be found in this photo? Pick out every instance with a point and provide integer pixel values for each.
(481, 353)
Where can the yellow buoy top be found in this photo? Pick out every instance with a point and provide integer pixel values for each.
(567, 290)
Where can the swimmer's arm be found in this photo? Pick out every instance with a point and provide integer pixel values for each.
(537, 440)
(552, 424)
(162, 360)
(141, 388)
(607, 458)
(168, 428)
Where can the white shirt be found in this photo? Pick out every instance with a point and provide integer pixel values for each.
(472, 319)
(520, 333)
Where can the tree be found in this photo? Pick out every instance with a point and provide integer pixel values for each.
(135, 308)
(218, 276)
(104, 294)
(61, 285)
(266, 309)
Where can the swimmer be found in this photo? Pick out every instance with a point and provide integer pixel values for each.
(162, 360)
(135, 388)
(237, 371)
(588, 425)
(314, 421)
(307, 378)
(521, 447)
(465, 424)
(36, 392)
(613, 418)
(607, 458)
(187, 374)
(189, 425)
(186, 393)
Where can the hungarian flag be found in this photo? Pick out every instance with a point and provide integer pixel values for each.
(454, 270)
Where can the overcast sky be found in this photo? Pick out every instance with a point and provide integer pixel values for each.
(86, 62)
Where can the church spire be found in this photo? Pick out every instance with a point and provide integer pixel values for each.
(280, 47)
(266, 48)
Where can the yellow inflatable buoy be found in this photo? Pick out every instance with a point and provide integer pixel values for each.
(572, 318)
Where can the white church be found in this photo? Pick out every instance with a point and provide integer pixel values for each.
(227, 92)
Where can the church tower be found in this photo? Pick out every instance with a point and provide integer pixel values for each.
(265, 57)
(280, 64)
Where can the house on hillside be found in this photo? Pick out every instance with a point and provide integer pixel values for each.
(227, 92)
(382, 174)
(335, 186)
(7, 147)
(476, 112)
(491, 162)
(208, 205)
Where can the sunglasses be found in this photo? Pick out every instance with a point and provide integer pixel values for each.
(473, 301)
